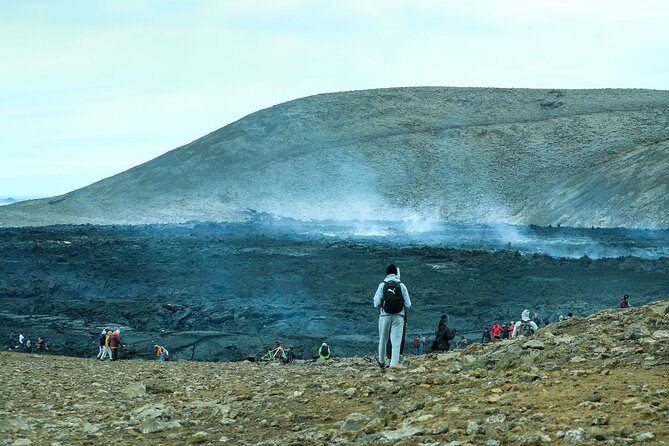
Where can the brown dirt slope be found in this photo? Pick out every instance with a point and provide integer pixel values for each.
(596, 380)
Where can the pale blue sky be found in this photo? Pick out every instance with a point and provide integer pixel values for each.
(91, 88)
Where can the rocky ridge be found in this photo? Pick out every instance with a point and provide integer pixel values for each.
(595, 380)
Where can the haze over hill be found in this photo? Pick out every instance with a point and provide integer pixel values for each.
(577, 158)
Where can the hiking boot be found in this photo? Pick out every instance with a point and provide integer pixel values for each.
(382, 365)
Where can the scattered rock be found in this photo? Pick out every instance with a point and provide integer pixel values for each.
(660, 334)
(353, 402)
(645, 436)
(534, 344)
(574, 436)
(355, 422)
(134, 390)
(596, 398)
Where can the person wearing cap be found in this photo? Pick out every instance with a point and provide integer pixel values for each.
(324, 353)
(391, 322)
(522, 323)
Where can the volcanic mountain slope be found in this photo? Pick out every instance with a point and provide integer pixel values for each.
(597, 380)
(571, 157)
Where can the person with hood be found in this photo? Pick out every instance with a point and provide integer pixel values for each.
(324, 352)
(161, 352)
(525, 326)
(101, 343)
(443, 335)
(114, 344)
(392, 299)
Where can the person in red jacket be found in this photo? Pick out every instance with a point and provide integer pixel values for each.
(496, 331)
(114, 344)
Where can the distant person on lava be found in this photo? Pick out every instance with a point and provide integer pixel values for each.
(505, 331)
(115, 344)
(496, 331)
(106, 351)
(462, 343)
(324, 352)
(625, 302)
(162, 353)
(392, 298)
(525, 326)
(101, 343)
(443, 335)
(486, 336)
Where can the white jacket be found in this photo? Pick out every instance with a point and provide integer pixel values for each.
(379, 294)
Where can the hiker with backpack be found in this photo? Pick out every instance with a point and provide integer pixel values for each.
(525, 326)
(392, 298)
(442, 336)
(324, 352)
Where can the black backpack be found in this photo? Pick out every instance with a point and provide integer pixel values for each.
(393, 300)
(525, 329)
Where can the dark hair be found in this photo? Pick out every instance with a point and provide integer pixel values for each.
(392, 269)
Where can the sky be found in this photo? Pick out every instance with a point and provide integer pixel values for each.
(89, 88)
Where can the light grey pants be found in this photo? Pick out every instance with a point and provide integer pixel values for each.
(390, 325)
(106, 353)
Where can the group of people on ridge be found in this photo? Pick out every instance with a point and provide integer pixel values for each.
(393, 300)
(26, 344)
(109, 342)
(524, 327)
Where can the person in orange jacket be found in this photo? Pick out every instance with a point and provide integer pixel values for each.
(161, 352)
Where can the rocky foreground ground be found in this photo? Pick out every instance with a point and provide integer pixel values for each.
(596, 380)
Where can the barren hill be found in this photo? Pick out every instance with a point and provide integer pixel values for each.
(600, 380)
(546, 157)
